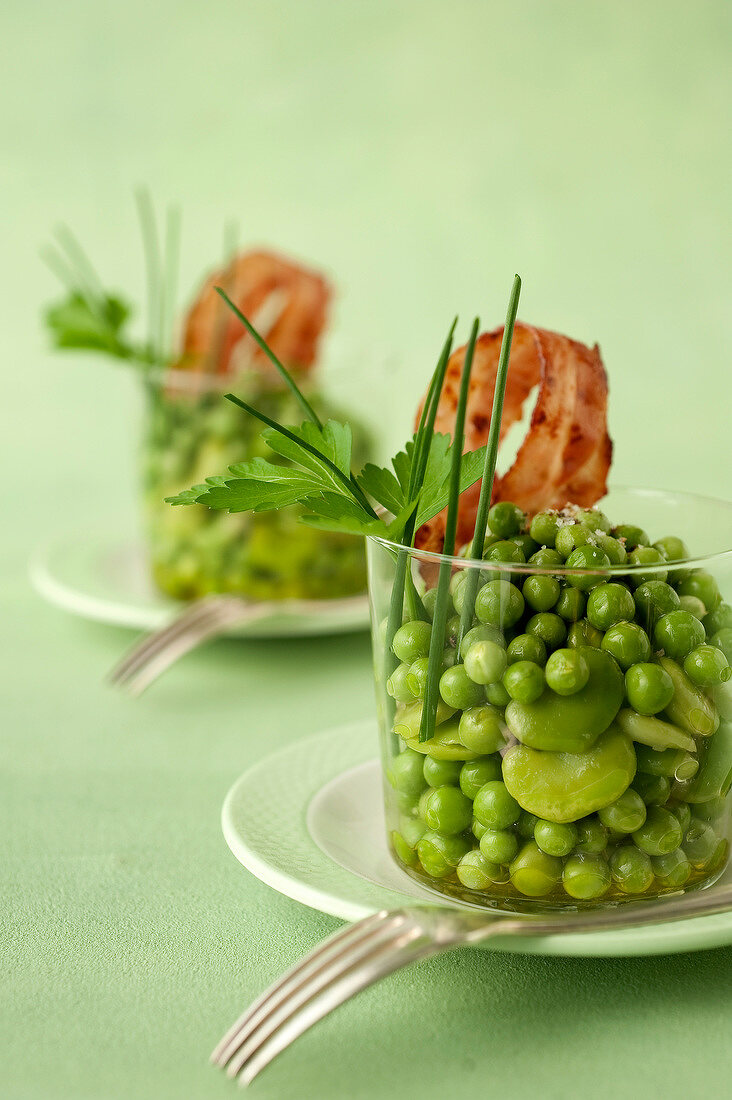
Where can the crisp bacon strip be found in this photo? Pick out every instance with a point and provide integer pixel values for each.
(566, 454)
(215, 340)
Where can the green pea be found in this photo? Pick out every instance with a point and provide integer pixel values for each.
(694, 606)
(555, 838)
(497, 695)
(505, 551)
(591, 835)
(438, 773)
(524, 681)
(583, 633)
(526, 824)
(707, 666)
(474, 774)
(485, 662)
(700, 843)
(448, 811)
(494, 807)
(546, 558)
(646, 555)
(526, 647)
(528, 545)
(672, 869)
(631, 535)
(398, 685)
(440, 855)
(405, 772)
(673, 763)
(550, 628)
(571, 723)
(722, 639)
(653, 731)
(572, 535)
(672, 548)
(481, 729)
(613, 548)
(449, 657)
(476, 872)
(477, 828)
(702, 585)
(655, 790)
(571, 604)
(417, 677)
(499, 845)
(659, 834)
(677, 633)
(595, 519)
(628, 643)
(586, 876)
(452, 629)
(567, 671)
(713, 811)
(499, 603)
(587, 558)
(533, 872)
(608, 604)
(404, 851)
(626, 814)
(654, 599)
(541, 592)
(544, 527)
(718, 619)
(482, 633)
(506, 519)
(429, 600)
(649, 688)
(689, 708)
(412, 640)
(567, 786)
(458, 690)
(631, 869)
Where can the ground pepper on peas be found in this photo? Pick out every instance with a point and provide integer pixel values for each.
(583, 743)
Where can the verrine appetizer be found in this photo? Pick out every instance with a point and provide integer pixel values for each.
(552, 676)
(189, 429)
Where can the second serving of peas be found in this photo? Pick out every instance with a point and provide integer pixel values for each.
(583, 745)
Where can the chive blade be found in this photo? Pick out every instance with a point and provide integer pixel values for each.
(279, 366)
(439, 618)
(489, 467)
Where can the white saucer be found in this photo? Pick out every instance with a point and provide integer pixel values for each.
(102, 576)
(325, 845)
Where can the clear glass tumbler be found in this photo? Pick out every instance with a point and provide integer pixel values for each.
(190, 431)
(582, 753)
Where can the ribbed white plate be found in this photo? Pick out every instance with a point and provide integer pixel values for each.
(102, 576)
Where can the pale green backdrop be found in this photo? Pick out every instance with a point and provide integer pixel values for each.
(423, 152)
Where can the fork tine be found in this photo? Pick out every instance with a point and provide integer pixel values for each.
(326, 952)
(162, 657)
(150, 642)
(402, 951)
(267, 1022)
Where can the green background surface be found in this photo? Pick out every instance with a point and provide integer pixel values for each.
(422, 152)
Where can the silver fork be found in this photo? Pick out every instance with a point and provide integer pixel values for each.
(361, 954)
(204, 619)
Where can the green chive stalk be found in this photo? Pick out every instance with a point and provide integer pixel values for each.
(439, 619)
(489, 468)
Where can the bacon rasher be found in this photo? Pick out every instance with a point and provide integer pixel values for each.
(566, 454)
(213, 335)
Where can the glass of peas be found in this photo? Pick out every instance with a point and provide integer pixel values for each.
(189, 430)
(582, 745)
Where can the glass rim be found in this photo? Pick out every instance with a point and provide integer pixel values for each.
(532, 568)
